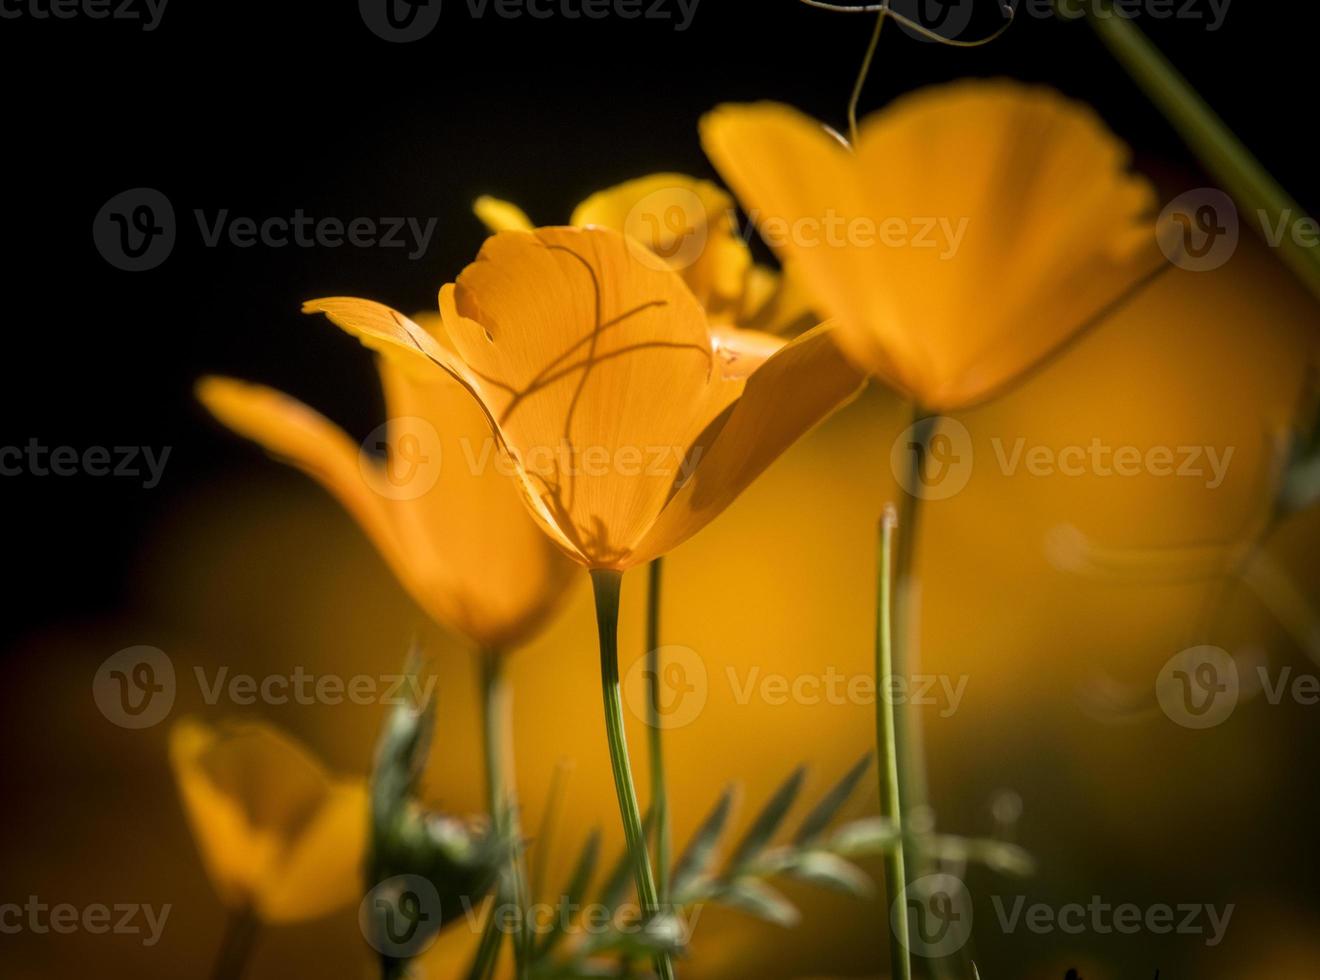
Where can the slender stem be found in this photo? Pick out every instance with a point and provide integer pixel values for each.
(483, 964)
(495, 729)
(858, 85)
(913, 785)
(236, 947)
(1222, 153)
(494, 705)
(545, 834)
(606, 583)
(659, 795)
(891, 800)
(911, 744)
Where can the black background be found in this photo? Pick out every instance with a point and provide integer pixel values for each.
(265, 108)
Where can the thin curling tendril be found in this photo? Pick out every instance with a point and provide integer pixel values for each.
(884, 10)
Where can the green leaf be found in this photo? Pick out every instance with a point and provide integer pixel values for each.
(819, 818)
(863, 838)
(1008, 859)
(573, 892)
(662, 934)
(756, 898)
(696, 857)
(768, 820)
(831, 871)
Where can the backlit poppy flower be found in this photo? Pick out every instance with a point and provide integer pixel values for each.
(971, 232)
(688, 223)
(629, 424)
(442, 509)
(280, 838)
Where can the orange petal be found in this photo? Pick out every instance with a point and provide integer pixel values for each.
(481, 565)
(301, 437)
(597, 367)
(499, 215)
(688, 223)
(979, 226)
(251, 795)
(791, 393)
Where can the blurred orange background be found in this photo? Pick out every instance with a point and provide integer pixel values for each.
(262, 573)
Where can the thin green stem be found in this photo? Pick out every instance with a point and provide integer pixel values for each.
(236, 947)
(911, 744)
(914, 789)
(891, 799)
(655, 740)
(493, 719)
(858, 85)
(495, 729)
(1269, 206)
(483, 964)
(554, 799)
(606, 583)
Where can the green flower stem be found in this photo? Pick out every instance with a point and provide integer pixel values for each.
(504, 817)
(236, 947)
(659, 796)
(891, 800)
(912, 780)
(1222, 153)
(911, 744)
(606, 583)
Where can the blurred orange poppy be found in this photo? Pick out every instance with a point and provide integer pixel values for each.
(446, 516)
(279, 836)
(972, 231)
(689, 224)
